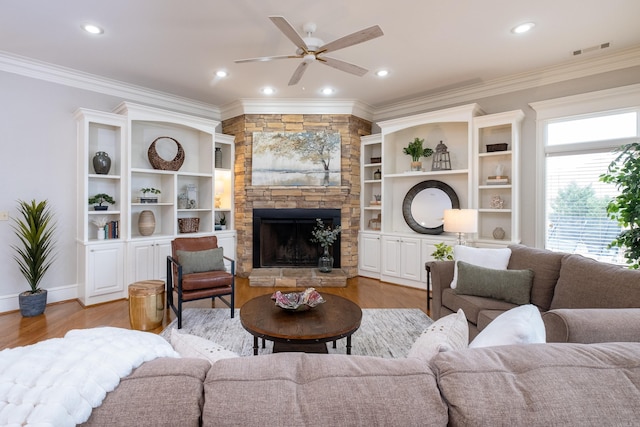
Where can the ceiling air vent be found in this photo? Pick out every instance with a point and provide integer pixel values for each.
(591, 49)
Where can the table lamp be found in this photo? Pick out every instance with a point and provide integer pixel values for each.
(219, 192)
(461, 221)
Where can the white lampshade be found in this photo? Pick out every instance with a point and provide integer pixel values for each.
(219, 187)
(461, 220)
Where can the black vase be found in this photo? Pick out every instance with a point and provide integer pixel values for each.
(101, 163)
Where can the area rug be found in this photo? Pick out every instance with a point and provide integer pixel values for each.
(387, 333)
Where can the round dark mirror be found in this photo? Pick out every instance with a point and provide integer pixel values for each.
(424, 205)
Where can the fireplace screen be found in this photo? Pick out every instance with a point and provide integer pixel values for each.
(282, 237)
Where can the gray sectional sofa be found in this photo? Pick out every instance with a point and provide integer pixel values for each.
(532, 385)
(567, 288)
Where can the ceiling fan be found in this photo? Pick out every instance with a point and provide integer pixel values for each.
(312, 49)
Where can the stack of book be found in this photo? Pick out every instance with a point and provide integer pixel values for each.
(497, 180)
(112, 230)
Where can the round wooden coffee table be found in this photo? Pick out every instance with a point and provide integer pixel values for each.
(306, 331)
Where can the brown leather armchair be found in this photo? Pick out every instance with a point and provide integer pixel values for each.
(199, 274)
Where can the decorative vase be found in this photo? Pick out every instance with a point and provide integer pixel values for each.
(218, 158)
(32, 304)
(325, 262)
(101, 233)
(416, 166)
(101, 163)
(498, 233)
(146, 223)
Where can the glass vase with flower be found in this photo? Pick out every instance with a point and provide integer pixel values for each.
(326, 237)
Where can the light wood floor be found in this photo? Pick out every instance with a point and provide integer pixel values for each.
(59, 318)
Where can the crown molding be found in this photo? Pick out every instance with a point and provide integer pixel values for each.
(297, 106)
(624, 58)
(69, 77)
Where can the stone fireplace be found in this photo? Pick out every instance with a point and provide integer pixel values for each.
(344, 198)
(281, 237)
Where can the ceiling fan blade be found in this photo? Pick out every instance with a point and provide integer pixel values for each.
(289, 31)
(352, 39)
(266, 58)
(297, 74)
(343, 66)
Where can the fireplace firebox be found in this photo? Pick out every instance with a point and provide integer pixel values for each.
(282, 237)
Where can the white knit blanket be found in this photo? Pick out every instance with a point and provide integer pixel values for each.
(58, 382)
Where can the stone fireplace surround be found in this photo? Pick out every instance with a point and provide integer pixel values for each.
(345, 197)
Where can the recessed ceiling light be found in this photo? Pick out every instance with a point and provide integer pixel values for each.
(327, 91)
(268, 90)
(523, 28)
(382, 73)
(92, 29)
(221, 73)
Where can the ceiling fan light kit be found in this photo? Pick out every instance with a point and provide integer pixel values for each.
(312, 49)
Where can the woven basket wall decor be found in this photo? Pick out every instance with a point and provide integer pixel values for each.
(167, 165)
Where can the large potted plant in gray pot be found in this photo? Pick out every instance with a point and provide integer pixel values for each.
(35, 253)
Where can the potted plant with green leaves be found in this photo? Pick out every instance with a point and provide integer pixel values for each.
(624, 172)
(326, 237)
(100, 199)
(148, 195)
(416, 150)
(443, 252)
(223, 221)
(35, 253)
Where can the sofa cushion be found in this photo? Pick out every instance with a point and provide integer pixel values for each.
(487, 316)
(546, 270)
(485, 257)
(513, 286)
(586, 283)
(328, 389)
(592, 325)
(445, 334)
(520, 325)
(165, 391)
(472, 305)
(541, 384)
(201, 261)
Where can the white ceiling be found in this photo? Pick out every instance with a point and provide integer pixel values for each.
(428, 46)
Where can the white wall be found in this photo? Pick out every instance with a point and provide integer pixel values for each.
(37, 161)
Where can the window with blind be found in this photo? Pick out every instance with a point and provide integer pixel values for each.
(577, 152)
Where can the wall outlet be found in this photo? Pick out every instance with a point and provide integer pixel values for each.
(4, 216)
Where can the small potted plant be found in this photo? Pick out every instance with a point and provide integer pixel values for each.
(443, 252)
(416, 151)
(326, 237)
(147, 195)
(100, 199)
(223, 221)
(35, 253)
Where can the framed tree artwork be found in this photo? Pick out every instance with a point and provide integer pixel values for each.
(296, 159)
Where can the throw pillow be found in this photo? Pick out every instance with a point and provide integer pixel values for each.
(520, 325)
(188, 345)
(485, 257)
(512, 286)
(448, 333)
(199, 261)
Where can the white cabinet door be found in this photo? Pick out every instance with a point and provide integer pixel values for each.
(410, 260)
(227, 241)
(401, 257)
(148, 260)
(104, 280)
(369, 253)
(391, 255)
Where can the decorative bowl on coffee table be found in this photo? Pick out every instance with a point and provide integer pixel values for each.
(298, 301)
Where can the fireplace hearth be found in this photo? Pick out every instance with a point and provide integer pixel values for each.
(281, 237)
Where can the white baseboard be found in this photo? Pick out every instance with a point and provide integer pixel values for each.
(62, 293)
